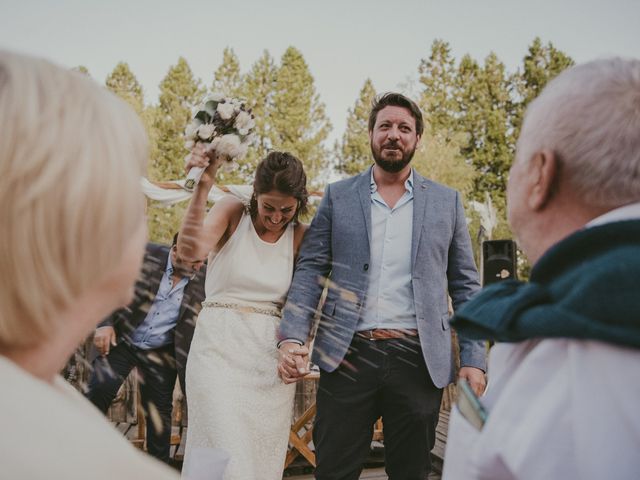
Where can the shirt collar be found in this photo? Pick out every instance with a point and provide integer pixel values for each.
(408, 183)
(627, 212)
(169, 269)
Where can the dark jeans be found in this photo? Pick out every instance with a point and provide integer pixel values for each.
(157, 372)
(385, 378)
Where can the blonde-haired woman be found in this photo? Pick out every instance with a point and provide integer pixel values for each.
(71, 244)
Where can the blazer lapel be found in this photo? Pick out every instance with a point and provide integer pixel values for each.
(419, 210)
(364, 191)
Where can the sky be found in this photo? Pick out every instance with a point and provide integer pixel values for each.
(343, 41)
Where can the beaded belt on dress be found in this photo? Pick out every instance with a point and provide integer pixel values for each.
(274, 312)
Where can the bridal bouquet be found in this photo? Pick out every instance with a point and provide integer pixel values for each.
(224, 125)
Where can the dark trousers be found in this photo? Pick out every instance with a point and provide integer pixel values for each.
(157, 372)
(385, 378)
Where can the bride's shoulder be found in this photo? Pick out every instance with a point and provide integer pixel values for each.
(229, 205)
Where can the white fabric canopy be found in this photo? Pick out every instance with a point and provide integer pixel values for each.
(172, 192)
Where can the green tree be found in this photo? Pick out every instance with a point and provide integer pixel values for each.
(440, 160)
(298, 121)
(123, 83)
(354, 151)
(258, 90)
(485, 106)
(180, 91)
(438, 98)
(540, 65)
(227, 78)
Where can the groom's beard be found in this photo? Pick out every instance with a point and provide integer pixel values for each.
(391, 165)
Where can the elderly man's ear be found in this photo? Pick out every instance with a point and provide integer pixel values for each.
(543, 178)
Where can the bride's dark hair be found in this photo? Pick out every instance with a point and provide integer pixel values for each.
(283, 172)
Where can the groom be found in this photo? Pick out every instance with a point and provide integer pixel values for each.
(390, 245)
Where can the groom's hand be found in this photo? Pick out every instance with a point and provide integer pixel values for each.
(293, 363)
(475, 377)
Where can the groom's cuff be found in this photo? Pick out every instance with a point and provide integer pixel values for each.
(290, 340)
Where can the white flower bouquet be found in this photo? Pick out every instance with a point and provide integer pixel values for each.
(224, 125)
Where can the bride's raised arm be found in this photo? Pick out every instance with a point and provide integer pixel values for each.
(200, 232)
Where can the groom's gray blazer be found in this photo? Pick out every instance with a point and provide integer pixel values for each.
(336, 247)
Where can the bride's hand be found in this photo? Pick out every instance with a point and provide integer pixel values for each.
(293, 363)
(203, 157)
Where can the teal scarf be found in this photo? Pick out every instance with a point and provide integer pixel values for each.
(585, 287)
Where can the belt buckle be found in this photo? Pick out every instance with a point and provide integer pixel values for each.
(366, 334)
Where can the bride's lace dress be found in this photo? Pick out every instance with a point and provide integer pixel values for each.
(236, 401)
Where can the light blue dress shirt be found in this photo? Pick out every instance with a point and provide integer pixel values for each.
(389, 302)
(157, 329)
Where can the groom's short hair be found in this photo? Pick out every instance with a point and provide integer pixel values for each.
(71, 157)
(392, 99)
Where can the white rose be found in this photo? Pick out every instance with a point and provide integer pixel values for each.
(225, 110)
(191, 130)
(189, 144)
(243, 123)
(229, 145)
(206, 131)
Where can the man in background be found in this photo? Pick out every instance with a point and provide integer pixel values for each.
(153, 334)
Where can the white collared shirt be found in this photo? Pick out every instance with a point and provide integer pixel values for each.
(389, 302)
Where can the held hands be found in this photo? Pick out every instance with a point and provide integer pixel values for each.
(204, 158)
(475, 378)
(104, 339)
(293, 363)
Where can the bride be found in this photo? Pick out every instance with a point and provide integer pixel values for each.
(236, 401)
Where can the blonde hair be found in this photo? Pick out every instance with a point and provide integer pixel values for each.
(71, 156)
(589, 115)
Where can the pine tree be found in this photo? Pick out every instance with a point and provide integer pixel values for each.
(485, 114)
(179, 93)
(540, 65)
(258, 90)
(227, 78)
(437, 78)
(355, 151)
(298, 122)
(123, 83)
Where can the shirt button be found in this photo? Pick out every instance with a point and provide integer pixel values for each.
(366, 267)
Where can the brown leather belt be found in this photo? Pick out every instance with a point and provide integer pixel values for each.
(387, 333)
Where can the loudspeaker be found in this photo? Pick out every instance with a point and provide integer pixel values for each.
(499, 260)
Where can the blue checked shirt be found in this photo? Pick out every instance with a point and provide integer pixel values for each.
(157, 329)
